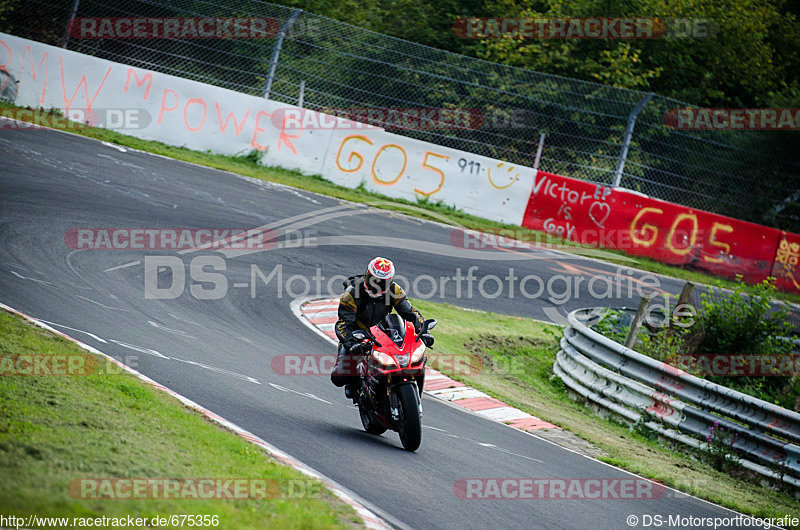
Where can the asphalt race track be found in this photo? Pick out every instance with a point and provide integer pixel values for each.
(217, 352)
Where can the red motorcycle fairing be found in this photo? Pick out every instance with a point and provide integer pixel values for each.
(389, 347)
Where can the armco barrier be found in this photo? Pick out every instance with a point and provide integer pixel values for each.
(179, 111)
(674, 403)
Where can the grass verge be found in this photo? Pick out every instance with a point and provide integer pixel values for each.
(248, 165)
(55, 430)
(516, 366)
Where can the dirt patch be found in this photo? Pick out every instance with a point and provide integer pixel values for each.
(486, 344)
(571, 441)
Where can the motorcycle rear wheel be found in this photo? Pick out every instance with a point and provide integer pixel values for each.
(370, 422)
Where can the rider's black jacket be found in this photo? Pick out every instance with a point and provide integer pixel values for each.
(357, 310)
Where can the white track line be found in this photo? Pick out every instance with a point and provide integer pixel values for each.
(369, 515)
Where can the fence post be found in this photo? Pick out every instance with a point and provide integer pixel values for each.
(626, 142)
(538, 155)
(273, 63)
(636, 325)
(302, 94)
(72, 13)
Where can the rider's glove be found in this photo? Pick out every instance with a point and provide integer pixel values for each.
(427, 338)
(359, 348)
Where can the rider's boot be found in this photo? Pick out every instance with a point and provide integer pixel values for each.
(339, 375)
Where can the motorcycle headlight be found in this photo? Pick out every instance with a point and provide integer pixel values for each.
(384, 359)
(417, 355)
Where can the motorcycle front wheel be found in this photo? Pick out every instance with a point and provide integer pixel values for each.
(410, 424)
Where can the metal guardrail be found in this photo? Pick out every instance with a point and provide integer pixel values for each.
(674, 403)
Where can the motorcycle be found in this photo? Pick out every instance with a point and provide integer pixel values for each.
(392, 376)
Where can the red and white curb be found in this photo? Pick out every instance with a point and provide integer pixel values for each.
(321, 314)
(371, 520)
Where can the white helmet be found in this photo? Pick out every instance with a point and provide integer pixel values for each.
(378, 277)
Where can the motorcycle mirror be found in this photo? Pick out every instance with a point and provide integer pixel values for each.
(430, 324)
(360, 335)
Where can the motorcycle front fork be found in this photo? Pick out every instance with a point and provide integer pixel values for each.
(394, 409)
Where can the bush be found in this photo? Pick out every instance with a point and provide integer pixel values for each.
(612, 325)
(742, 324)
(720, 450)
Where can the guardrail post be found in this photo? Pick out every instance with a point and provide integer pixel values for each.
(276, 52)
(636, 325)
(684, 299)
(626, 142)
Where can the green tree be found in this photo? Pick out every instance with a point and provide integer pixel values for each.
(750, 58)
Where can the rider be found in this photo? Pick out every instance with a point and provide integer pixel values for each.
(366, 301)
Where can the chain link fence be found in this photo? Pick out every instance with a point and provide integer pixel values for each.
(326, 64)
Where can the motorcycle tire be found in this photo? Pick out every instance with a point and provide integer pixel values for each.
(371, 424)
(410, 424)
